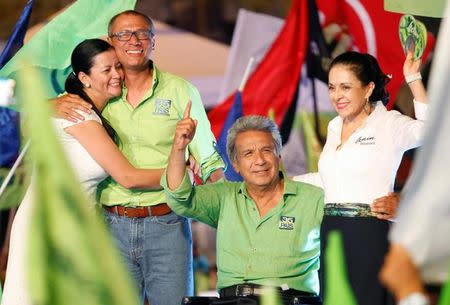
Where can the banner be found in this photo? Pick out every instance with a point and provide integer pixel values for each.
(430, 8)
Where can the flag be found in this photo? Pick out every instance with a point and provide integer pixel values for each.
(15, 41)
(338, 288)
(433, 8)
(274, 82)
(49, 50)
(71, 258)
(253, 35)
(234, 114)
(9, 120)
(372, 30)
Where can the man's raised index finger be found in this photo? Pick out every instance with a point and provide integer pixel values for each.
(187, 111)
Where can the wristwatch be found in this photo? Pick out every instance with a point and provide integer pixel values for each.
(415, 298)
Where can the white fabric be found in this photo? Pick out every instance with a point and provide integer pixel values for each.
(89, 174)
(88, 171)
(364, 167)
(423, 225)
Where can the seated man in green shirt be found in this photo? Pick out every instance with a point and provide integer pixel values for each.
(268, 227)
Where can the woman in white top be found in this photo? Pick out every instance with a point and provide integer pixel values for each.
(97, 77)
(365, 144)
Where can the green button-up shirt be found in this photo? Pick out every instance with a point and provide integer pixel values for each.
(145, 135)
(283, 247)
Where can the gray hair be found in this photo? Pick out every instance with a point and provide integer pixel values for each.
(252, 122)
(149, 21)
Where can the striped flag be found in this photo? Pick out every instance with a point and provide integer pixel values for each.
(274, 82)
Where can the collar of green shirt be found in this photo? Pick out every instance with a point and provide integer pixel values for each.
(289, 186)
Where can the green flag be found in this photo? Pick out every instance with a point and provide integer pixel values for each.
(313, 147)
(49, 50)
(430, 8)
(338, 290)
(71, 258)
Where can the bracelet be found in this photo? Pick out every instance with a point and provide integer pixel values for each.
(413, 77)
(415, 298)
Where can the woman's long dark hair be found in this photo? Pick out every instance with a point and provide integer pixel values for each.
(366, 69)
(82, 60)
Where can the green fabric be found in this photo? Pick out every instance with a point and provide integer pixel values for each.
(444, 298)
(431, 8)
(338, 288)
(49, 50)
(146, 135)
(71, 258)
(283, 247)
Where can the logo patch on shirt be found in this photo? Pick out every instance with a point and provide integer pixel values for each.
(365, 140)
(162, 107)
(286, 223)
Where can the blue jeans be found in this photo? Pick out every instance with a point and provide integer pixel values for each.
(158, 253)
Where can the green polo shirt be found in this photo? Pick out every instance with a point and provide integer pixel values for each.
(145, 135)
(283, 247)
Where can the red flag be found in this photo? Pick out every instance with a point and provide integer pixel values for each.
(275, 80)
(373, 30)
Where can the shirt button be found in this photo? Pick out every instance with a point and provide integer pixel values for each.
(254, 249)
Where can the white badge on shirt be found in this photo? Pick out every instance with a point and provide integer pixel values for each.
(162, 107)
(286, 223)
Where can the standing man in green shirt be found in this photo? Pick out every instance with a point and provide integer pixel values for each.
(268, 227)
(155, 242)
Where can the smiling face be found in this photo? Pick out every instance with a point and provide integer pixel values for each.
(256, 159)
(105, 78)
(134, 54)
(347, 93)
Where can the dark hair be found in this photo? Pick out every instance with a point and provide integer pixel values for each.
(82, 60)
(366, 69)
(149, 21)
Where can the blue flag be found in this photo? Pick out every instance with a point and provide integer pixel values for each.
(234, 114)
(9, 120)
(15, 41)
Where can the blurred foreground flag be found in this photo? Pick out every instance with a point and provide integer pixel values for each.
(49, 49)
(338, 290)
(71, 258)
(430, 8)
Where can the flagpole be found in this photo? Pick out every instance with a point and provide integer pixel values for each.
(246, 74)
(14, 168)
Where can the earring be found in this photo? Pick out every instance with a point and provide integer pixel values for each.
(87, 85)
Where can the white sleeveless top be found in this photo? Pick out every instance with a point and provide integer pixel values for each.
(88, 171)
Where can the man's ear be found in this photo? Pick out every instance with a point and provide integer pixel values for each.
(235, 166)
